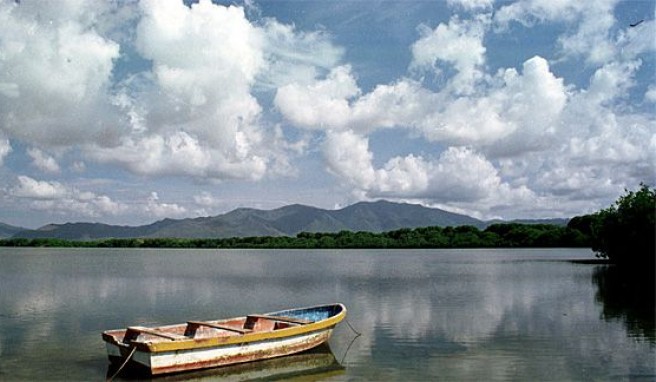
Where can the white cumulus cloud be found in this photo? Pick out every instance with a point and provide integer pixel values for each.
(31, 188)
(64, 200)
(5, 148)
(458, 43)
(650, 94)
(459, 177)
(471, 5)
(43, 161)
(194, 114)
(159, 209)
(321, 104)
(55, 71)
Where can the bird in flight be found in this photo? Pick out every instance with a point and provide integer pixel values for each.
(636, 24)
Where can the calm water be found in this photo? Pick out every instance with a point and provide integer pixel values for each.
(424, 315)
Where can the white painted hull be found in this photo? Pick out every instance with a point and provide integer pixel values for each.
(181, 360)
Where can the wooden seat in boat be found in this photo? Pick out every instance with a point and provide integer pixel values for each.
(193, 325)
(134, 331)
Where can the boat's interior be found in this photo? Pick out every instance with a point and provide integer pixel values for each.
(206, 329)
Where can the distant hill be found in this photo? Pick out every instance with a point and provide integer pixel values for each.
(7, 230)
(378, 216)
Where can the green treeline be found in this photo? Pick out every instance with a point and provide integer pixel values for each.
(495, 236)
(625, 232)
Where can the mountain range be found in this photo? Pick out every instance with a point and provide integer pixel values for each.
(377, 216)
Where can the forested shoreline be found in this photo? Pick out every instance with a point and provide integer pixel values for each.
(511, 235)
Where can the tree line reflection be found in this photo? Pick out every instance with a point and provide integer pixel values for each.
(628, 295)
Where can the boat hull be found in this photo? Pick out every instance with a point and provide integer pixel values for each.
(193, 359)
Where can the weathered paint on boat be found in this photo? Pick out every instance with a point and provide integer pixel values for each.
(320, 363)
(200, 345)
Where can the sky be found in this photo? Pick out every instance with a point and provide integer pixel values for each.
(128, 112)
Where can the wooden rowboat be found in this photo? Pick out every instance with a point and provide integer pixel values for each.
(204, 344)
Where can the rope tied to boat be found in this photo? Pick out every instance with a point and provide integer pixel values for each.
(357, 335)
(127, 359)
(350, 326)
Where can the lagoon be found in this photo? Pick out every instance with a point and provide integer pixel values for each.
(488, 314)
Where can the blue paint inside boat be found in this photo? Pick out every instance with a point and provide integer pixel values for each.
(311, 314)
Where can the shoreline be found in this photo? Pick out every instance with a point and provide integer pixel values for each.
(592, 261)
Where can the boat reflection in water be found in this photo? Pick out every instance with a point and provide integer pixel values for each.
(314, 364)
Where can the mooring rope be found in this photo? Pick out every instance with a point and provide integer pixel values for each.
(349, 325)
(357, 335)
(122, 365)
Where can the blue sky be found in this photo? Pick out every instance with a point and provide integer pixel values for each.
(127, 112)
